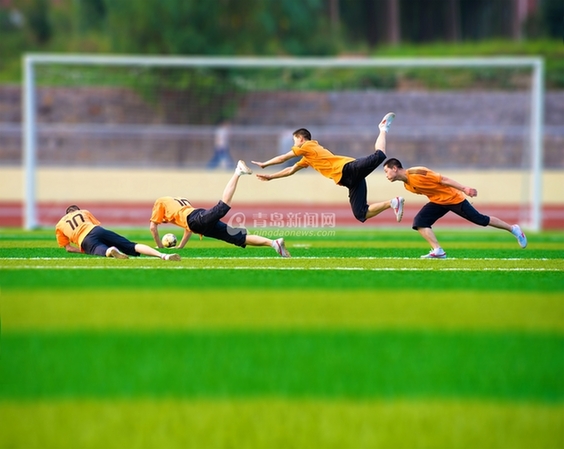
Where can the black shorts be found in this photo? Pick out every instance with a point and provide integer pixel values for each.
(99, 240)
(431, 212)
(207, 223)
(354, 178)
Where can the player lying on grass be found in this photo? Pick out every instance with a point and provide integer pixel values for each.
(207, 222)
(79, 227)
(343, 170)
(444, 195)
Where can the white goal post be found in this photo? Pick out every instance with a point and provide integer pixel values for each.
(29, 107)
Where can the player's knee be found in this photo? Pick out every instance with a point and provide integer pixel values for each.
(360, 215)
(482, 220)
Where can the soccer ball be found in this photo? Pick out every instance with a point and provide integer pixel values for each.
(169, 240)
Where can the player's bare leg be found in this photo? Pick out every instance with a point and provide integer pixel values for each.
(500, 224)
(380, 143)
(377, 208)
(148, 251)
(429, 236)
(231, 186)
(278, 245)
(514, 229)
(384, 127)
(395, 203)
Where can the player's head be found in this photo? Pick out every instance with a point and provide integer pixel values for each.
(303, 133)
(72, 209)
(391, 168)
(301, 136)
(393, 163)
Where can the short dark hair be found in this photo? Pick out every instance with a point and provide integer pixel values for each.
(72, 209)
(302, 132)
(393, 163)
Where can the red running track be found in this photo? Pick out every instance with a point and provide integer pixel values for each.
(269, 215)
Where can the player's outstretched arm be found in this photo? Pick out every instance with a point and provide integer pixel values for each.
(288, 171)
(276, 160)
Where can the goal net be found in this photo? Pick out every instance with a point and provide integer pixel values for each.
(475, 118)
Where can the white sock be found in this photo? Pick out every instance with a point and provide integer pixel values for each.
(394, 202)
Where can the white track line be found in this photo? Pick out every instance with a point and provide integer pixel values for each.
(211, 267)
(292, 258)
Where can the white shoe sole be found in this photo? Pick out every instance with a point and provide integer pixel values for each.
(242, 169)
(117, 254)
(399, 210)
(281, 248)
(387, 121)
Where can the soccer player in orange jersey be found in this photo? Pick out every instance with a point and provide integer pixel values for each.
(80, 232)
(445, 195)
(207, 222)
(343, 170)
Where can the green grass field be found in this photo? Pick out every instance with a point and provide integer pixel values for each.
(354, 342)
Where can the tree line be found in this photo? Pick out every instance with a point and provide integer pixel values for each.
(265, 27)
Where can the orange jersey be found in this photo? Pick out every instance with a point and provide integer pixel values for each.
(321, 160)
(423, 181)
(172, 210)
(74, 226)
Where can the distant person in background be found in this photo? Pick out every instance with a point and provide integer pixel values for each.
(445, 195)
(80, 232)
(207, 222)
(221, 157)
(343, 170)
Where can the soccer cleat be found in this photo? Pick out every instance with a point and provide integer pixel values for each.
(398, 208)
(435, 254)
(387, 121)
(173, 257)
(521, 238)
(242, 169)
(280, 248)
(112, 251)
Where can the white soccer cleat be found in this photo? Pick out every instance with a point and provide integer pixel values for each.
(387, 121)
(397, 206)
(280, 248)
(172, 257)
(242, 169)
(112, 251)
(521, 238)
(435, 254)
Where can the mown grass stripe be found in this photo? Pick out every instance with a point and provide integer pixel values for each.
(276, 423)
(203, 279)
(508, 366)
(245, 308)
